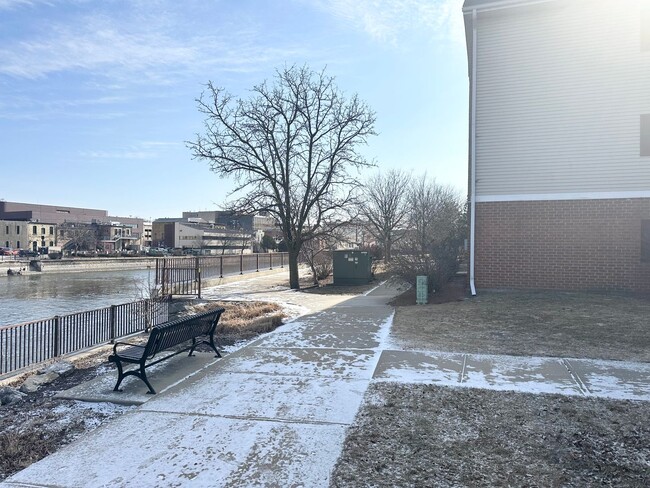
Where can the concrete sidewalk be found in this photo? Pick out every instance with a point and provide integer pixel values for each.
(275, 412)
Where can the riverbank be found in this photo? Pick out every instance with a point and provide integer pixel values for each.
(69, 265)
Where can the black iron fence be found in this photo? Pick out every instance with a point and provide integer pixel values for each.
(184, 275)
(30, 343)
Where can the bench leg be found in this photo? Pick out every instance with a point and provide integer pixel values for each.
(213, 346)
(141, 373)
(143, 377)
(194, 344)
(120, 375)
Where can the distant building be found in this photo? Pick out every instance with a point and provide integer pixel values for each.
(146, 234)
(233, 220)
(32, 212)
(117, 237)
(205, 238)
(61, 225)
(18, 234)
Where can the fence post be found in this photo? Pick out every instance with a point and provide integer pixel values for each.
(164, 276)
(197, 273)
(111, 323)
(270, 260)
(282, 260)
(220, 266)
(147, 315)
(258, 262)
(241, 264)
(57, 335)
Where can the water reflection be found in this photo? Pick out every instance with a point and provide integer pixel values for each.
(41, 295)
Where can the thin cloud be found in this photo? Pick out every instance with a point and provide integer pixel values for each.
(93, 48)
(12, 4)
(138, 52)
(388, 20)
(141, 151)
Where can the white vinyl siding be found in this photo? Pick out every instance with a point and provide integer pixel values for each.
(645, 27)
(560, 88)
(645, 135)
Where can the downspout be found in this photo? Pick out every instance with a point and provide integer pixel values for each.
(472, 226)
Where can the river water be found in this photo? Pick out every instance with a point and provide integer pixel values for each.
(38, 296)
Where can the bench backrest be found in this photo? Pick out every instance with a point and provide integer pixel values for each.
(170, 334)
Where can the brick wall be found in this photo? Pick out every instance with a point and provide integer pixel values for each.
(562, 244)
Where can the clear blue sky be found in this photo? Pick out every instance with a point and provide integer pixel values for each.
(97, 98)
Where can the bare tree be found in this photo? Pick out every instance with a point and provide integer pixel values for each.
(436, 230)
(317, 252)
(291, 146)
(384, 207)
(77, 236)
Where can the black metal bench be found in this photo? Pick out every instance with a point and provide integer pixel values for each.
(165, 337)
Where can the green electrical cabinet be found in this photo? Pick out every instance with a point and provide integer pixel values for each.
(352, 267)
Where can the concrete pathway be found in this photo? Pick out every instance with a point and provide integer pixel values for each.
(275, 412)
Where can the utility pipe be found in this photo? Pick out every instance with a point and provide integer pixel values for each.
(472, 164)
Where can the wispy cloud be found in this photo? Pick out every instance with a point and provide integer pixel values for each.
(388, 20)
(140, 151)
(11, 4)
(146, 48)
(92, 48)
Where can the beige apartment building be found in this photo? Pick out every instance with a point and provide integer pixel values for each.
(559, 148)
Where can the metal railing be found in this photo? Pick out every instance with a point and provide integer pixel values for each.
(30, 343)
(184, 275)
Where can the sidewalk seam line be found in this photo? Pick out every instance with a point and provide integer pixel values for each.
(576, 377)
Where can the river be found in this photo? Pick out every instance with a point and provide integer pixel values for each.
(38, 296)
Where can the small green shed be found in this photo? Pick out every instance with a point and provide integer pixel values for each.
(352, 267)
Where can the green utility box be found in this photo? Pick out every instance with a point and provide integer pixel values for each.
(352, 267)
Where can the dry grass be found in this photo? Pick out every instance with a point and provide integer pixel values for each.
(243, 317)
(421, 435)
(583, 325)
(426, 435)
(20, 449)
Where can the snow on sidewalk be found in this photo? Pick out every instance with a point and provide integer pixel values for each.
(269, 414)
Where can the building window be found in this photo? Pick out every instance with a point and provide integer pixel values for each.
(7, 244)
(51, 230)
(34, 230)
(51, 243)
(17, 229)
(17, 244)
(645, 135)
(645, 240)
(7, 229)
(42, 230)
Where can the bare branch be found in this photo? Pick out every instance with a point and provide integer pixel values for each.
(290, 146)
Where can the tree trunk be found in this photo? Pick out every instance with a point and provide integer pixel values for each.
(294, 282)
